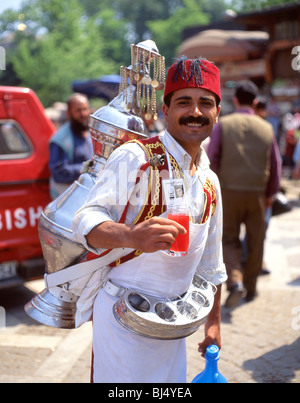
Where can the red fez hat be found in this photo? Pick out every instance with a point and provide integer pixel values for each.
(193, 73)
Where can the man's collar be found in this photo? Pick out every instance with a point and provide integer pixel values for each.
(245, 109)
(182, 157)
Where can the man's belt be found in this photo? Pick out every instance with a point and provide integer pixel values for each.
(160, 318)
(113, 289)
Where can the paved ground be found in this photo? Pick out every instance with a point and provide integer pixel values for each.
(261, 342)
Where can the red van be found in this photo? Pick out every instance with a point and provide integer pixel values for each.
(25, 131)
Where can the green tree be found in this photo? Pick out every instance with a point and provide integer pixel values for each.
(251, 5)
(215, 9)
(66, 40)
(59, 46)
(167, 33)
(115, 43)
(135, 13)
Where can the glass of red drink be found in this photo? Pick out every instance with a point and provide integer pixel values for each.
(181, 245)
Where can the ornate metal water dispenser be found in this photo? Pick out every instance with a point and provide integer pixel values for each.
(110, 126)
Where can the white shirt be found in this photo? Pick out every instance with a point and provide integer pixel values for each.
(117, 184)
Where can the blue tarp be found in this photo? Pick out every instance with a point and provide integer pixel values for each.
(106, 87)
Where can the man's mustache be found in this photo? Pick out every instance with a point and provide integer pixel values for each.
(190, 119)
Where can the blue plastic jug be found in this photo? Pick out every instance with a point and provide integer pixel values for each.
(211, 373)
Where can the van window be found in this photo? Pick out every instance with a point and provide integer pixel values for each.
(13, 142)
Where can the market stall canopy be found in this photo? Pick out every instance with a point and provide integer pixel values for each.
(223, 45)
(106, 87)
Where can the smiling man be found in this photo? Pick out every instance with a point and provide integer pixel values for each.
(192, 98)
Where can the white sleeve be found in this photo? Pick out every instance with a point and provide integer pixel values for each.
(109, 196)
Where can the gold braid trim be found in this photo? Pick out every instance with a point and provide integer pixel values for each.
(148, 149)
(149, 155)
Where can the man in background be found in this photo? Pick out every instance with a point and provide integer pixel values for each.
(243, 152)
(70, 146)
